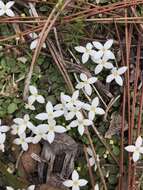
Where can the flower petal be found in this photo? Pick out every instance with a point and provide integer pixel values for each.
(42, 116)
(33, 44)
(138, 142)
(108, 44)
(98, 45)
(136, 156)
(88, 89)
(81, 129)
(110, 78)
(80, 49)
(33, 89)
(4, 128)
(10, 13)
(85, 57)
(82, 182)
(60, 129)
(83, 77)
(36, 139)
(119, 80)
(10, 4)
(92, 80)
(40, 99)
(98, 69)
(49, 107)
(95, 102)
(100, 111)
(108, 65)
(50, 137)
(122, 70)
(68, 183)
(31, 99)
(24, 146)
(130, 148)
(89, 46)
(109, 54)
(75, 175)
(2, 5)
(91, 115)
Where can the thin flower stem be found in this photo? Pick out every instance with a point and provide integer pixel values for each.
(99, 96)
(97, 161)
(89, 168)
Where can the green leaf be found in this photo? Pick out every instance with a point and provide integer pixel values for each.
(12, 108)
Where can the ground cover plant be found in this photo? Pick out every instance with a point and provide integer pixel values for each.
(71, 95)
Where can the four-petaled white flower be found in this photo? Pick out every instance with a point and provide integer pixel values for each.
(22, 124)
(23, 141)
(102, 63)
(30, 106)
(87, 52)
(40, 133)
(93, 108)
(137, 149)
(34, 43)
(104, 49)
(115, 75)
(73, 111)
(6, 8)
(92, 161)
(75, 183)
(73, 100)
(80, 123)
(86, 83)
(50, 113)
(35, 96)
(52, 129)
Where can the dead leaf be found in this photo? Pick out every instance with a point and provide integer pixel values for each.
(27, 164)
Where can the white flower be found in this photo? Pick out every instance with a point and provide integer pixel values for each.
(104, 49)
(87, 52)
(23, 141)
(30, 106)
(52, 129)
(6, 8)
(75, 183)
(23, 123)
(96, 187)
(35, 96)
(73, 111)
(116, 75)
(93, 108)
(40, 133)
(80, 122)
(3, 128)
(86, 83)
(137, 149)
(34, 43)
(91, 159)
(50, 113)
(2, 140)
(72, 101)
(102, 63)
